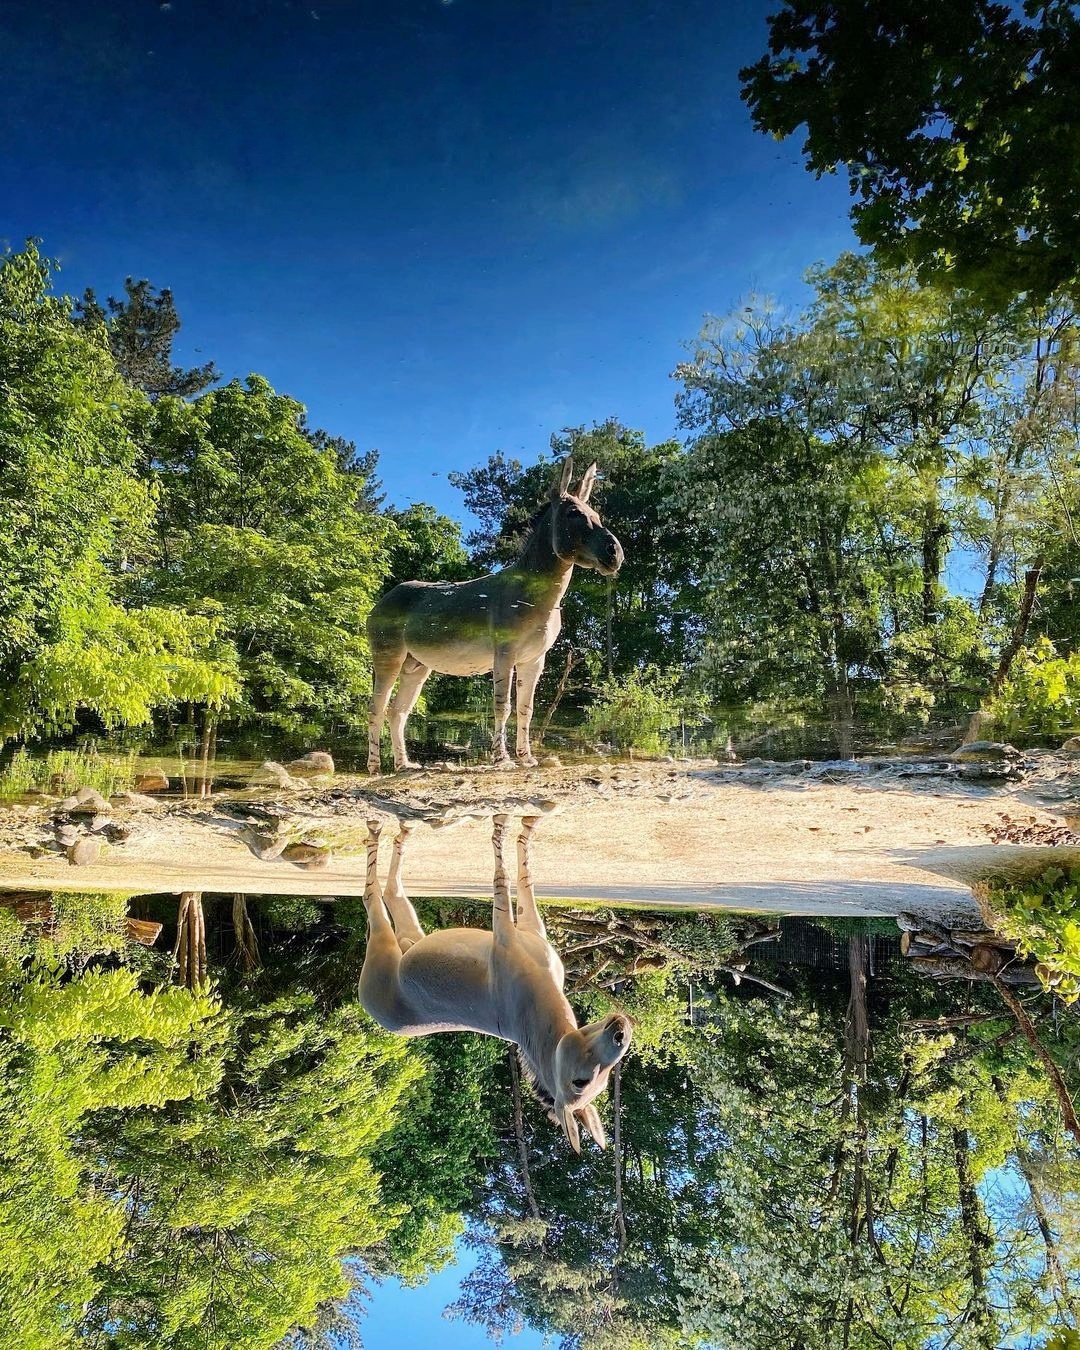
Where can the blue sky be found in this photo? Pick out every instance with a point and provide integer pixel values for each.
(447, 226)
(397, 1316)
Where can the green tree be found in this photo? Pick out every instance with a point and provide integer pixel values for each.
(141, 330)
(72, 1055)
(260, 526)
(426, 547)
(73, 516)
(955, 125)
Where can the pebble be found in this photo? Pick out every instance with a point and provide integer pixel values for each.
(313, 857)
(314, 764)
(87, 801)
(84, 852)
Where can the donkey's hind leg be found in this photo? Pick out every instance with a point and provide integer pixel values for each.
(528, 916)
(406, 925)
(410, 683)
(384, 674)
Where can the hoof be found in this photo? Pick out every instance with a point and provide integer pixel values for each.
(374, 768)
(409, 766)
(526, 761)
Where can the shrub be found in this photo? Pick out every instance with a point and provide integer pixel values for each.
(1042, 916)
(1041, 697)
(62, 771)
(635, 711)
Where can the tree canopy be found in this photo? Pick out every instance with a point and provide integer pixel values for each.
(956, 124)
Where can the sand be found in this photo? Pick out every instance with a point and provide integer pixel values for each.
(755, 838)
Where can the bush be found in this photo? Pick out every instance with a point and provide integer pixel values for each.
(1041, 697)
(1042, 916)
(62, 771)
(636, 711)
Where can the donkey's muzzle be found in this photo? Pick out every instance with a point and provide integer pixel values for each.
(610, 558)
(619, 1029)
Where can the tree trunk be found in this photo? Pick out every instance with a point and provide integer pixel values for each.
(979, 1243)
(207, 748)
(190, 950)
(1068, 1110)
(247, 944)
(564, 680)
(1066, 1300)
(607, 627)
(519, 1134)
(934, 533)
(1019, 632)
(617, 1155)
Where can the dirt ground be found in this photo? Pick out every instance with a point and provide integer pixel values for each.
(793, 840)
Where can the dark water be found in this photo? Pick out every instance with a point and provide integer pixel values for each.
(806, 1161)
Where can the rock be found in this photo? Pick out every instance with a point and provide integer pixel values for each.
(981, 751)
(66, 835)
(1073, 743)
(155, 780)
(137, 801)
(315, 764)
(84, 852)
(989, 760)
(272, 774)
(87, 801)
(551, 762)
(312, 857)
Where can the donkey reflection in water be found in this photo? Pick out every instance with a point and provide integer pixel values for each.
(506, 983)
(504, 622)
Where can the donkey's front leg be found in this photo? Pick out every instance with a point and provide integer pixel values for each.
(503, 675)
(378, 988)
(527, 675)
(406, 924)
(502, 909)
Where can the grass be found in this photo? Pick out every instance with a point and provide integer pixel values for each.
(61, 772)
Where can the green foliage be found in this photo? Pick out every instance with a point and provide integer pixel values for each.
(1041, 696)
(82, 924)
(61, 772)
(839, 457)
(952, 123)
(293, 912)
(140, 331)
(637, 711)
(73, 511)
(72, 1055)
(261, 528)
(248, 1202)
(426, 547)
(1042, 916)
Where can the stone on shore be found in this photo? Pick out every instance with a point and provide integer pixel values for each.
(315, 764)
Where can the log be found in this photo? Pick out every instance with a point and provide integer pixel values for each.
(960, 968)
(987, 960)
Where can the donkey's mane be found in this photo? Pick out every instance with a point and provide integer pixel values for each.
(532, 1078)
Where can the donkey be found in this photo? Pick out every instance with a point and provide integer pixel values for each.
(503, 622)
(506, 983)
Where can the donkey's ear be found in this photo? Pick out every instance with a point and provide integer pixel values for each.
(585, 490)
(570, 1128)
(562, 480)
(590, 1118)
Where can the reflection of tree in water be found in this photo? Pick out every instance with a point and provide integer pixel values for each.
(830, 1169)
(815, 1173)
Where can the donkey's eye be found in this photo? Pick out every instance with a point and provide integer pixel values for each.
(580, 1084)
